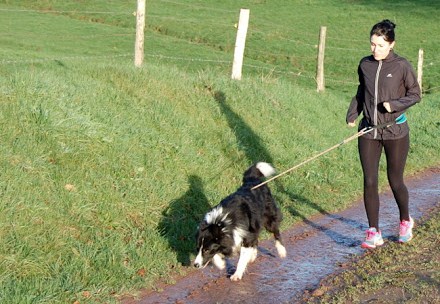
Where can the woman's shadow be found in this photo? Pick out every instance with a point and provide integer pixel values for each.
(181, 218)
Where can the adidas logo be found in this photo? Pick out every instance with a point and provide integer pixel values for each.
(390, 75)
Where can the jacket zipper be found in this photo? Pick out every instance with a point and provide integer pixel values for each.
(376, 89)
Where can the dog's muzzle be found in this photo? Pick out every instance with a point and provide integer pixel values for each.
(198, 262)
(200, 265)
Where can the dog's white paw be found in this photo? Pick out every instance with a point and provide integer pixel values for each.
(254, 255)
(236, 277)
(281, 249)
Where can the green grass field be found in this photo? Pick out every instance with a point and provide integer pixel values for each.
(106, 169)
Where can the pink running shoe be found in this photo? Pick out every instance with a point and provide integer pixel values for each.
(405, 234)
(374, 238)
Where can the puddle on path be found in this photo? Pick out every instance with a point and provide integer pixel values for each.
(316, 248)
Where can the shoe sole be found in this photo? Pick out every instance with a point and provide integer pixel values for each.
(403, 242)
(366, 246)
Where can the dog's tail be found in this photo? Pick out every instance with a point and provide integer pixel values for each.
(265, 169)
(258, 170)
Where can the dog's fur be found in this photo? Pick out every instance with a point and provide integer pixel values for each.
(235, 224)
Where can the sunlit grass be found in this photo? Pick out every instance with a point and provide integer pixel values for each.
(106, 169)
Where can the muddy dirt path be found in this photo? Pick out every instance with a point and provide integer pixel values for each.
(316, 248)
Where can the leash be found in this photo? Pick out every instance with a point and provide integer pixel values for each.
(399, 120)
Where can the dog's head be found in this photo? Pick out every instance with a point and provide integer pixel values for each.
(209, 237)
(212, 237)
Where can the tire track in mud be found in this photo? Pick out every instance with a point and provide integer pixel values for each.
(316, 248)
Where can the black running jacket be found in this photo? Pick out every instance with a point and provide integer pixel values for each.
(391, 79)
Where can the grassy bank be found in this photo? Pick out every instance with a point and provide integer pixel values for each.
(105, 169)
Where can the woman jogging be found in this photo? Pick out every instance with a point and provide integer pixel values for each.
(387, 88)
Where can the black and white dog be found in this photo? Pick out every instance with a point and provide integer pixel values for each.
(235, 224)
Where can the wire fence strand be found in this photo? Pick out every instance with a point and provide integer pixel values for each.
(257, 55)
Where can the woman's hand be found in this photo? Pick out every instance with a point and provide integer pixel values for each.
(387, 106)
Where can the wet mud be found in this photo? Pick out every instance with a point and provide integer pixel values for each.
(316, 248)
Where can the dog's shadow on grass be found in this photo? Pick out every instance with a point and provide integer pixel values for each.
(181, 218)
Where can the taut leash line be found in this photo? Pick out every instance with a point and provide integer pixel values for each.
(354, 136)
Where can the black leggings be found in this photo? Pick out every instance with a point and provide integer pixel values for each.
(396, 152)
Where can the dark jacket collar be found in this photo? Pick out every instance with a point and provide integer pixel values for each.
(391, 56)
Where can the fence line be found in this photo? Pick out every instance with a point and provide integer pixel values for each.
(64, 12)
(299, 42)
(192, 21)
(157, 56)
(431, 89)
(285, 55)
(198, 6)
(149, 15)
(329, 37)
(296, 41)
(275, 70)
(64, 37)
(431, 63)
(39, 60)
(188, 59)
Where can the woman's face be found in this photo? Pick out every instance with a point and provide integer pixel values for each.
(379, 47)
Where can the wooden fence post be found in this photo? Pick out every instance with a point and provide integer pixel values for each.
(420, 68)
(140, 27)
(320, 81)
(240, 44)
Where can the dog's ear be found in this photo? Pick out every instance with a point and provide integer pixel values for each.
(203, 225)
(200, 228)
(218, 228)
